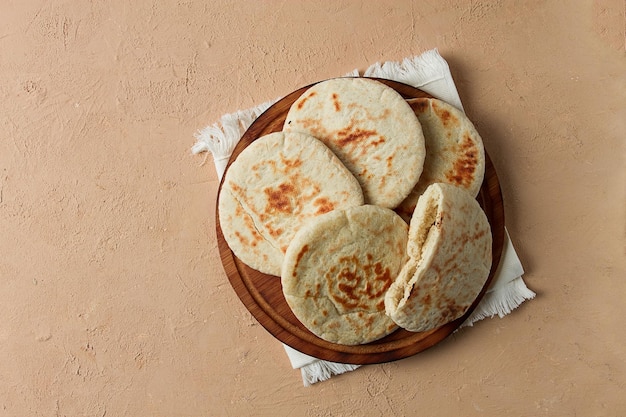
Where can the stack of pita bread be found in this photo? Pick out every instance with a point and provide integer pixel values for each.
(365, 206)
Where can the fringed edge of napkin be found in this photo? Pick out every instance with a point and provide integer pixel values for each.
(319, 371)
(427, 72)
(416, 71)
(221, 137)
(501, 301)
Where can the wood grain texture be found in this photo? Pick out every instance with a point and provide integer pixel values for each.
(262, 294)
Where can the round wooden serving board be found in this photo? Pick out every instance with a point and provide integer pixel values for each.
(262, 294)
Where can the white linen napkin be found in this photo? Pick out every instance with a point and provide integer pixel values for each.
(430, 73)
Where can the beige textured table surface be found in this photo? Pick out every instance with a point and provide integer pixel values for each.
(113, 300)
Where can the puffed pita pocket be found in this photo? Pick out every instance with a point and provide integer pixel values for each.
(450, 259)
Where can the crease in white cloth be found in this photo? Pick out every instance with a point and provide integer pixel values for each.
(430, 73)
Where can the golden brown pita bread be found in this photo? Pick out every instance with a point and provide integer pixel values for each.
(338, 268)
(450, 259)
(372, 130)
(274, 186)
(454, 150)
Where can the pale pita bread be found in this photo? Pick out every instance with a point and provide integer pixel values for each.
(450, 259)
(454, 150)
(273, 187)
(371, 128)
(338, 268)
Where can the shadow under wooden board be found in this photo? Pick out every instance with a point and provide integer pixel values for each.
(262, 294)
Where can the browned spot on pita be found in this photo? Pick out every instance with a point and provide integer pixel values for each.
(346, 281)
(367, 146)
(427, 300)
(462, 172)
(274, 232)
(316, 294)
(332, 325)
(358, 284)
(304, 250)
(466, 239)
(447, 118)
(314, 125)
(350, 135)
(279, 199)
(348, 290)
(242, 238)
(314, 128)
(336, 103)
(304, 99)
(290, 163)
(456, 310)
(450, 308)
(311, 294)
(324, 205)
(236, 188)
(381, 282)
(375, 143)
(256, 237)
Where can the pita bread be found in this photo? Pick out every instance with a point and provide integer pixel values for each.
(372, 130)
(273, 187)
(338, 268)
(450, 259)
(454, 150)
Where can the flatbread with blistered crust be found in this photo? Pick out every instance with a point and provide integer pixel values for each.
(338, 268)
(372, 130)
(275, 186)
(450, 258)
(454, 150)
